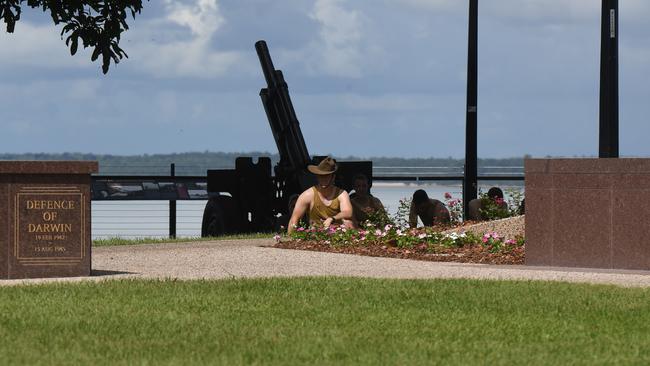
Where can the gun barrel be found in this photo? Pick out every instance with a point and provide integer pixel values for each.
(267, 64)
(294, 155)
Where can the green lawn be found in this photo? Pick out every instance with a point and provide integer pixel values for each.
(150, 240)
(324, 321)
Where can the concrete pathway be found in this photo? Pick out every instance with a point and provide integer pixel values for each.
(251, 258)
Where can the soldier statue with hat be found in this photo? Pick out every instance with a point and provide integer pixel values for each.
(325, 203)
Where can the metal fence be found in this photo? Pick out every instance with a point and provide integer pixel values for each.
(137, 201)
(146, 219)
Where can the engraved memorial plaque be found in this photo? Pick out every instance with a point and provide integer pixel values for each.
(49, 227)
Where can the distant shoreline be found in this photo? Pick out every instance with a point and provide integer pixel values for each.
(197, 163)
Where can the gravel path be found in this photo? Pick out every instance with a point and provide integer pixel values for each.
(250, 258)
(509, 228)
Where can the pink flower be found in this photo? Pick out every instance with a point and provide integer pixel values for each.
(301, 229)
(447, 195)
(277, 238)
(377, 232)
(485, 239)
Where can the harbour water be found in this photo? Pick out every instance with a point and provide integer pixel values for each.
(132, 219)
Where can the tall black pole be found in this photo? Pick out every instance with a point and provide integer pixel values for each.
(172, 207)
(470, 180)
(608, 135)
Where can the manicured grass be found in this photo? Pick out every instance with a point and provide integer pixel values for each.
(125, 241)
(324, 321)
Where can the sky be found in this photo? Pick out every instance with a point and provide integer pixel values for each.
(366, 77)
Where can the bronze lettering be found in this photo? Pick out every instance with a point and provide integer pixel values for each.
(50, 205)
(49, 228)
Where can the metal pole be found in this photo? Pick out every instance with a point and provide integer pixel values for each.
(608, 114)
(470, 181)
(172, 207)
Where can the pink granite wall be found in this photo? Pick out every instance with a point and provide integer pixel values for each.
(588, 213)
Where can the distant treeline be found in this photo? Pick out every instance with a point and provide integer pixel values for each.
(196, 163)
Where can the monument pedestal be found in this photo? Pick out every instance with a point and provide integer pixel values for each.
(45, 218)
(588, 213)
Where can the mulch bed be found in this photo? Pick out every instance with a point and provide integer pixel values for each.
(466, 254)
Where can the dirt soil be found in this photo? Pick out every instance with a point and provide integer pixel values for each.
(466, 254)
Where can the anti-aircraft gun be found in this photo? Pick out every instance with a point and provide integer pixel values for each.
(249, 198)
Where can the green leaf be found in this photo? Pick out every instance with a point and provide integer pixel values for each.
(95, 54)
(106, 61)
(73, 47)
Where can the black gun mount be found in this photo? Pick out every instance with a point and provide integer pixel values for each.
(258, 201)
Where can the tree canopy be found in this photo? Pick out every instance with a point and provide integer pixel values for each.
(97, 24)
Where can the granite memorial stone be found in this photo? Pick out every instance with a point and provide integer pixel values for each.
(45, 221)
(588, 212)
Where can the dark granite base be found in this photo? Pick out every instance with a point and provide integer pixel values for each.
(588, 213)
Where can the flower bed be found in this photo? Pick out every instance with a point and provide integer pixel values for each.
(492, 242)
(423, 243)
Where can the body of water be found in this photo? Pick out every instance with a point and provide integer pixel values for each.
(131, 219)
